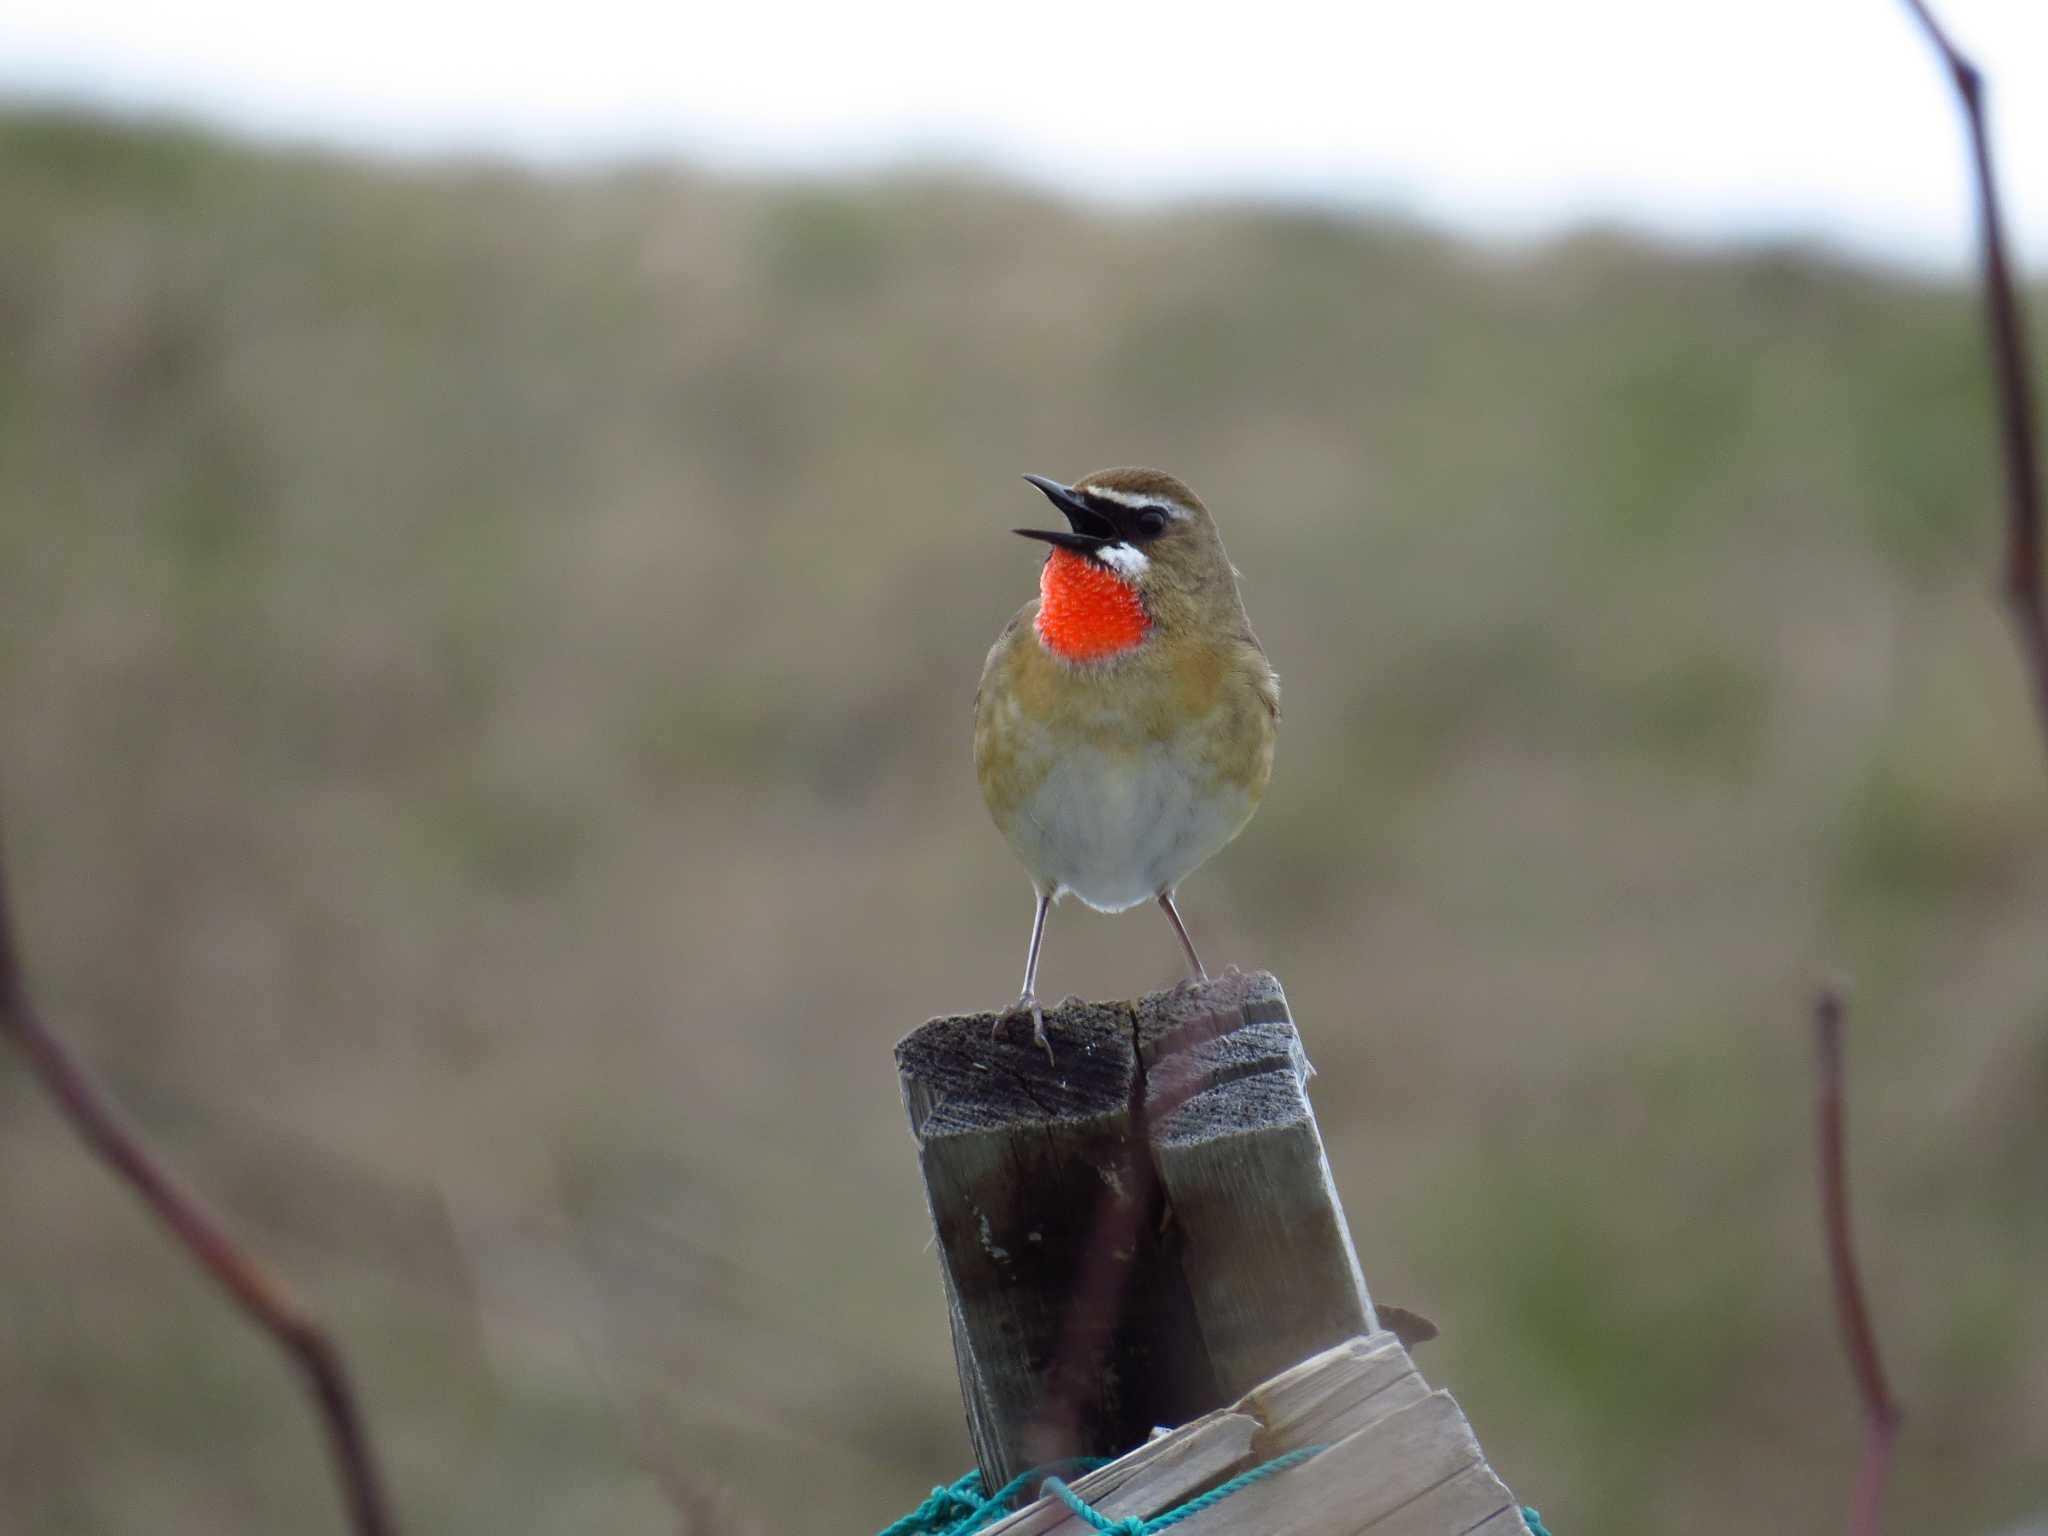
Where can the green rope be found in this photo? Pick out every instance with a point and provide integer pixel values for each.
(943, 1510)
(1133, 1526)
(960, 1509)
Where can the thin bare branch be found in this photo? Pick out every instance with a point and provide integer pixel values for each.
(1880, 1409)
(1122, 1212)
(1099, 1298)
(2012, 365)
(262, 1297)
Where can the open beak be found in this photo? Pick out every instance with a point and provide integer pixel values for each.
(1091, 530)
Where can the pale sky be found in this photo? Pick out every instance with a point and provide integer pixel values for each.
(1716, 119)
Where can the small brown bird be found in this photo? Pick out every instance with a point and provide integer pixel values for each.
(1124, 727)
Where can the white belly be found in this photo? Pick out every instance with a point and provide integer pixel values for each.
(1117, 829)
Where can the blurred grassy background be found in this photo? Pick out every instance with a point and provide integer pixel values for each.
(484, 667)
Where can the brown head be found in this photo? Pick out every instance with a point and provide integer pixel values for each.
(1153, 534)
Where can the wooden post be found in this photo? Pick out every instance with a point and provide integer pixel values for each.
(1135, 1233)
(1265, 1249)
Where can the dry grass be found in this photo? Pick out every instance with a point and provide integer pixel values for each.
(483, 682)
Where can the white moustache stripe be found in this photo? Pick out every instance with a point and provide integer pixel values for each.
(1132, 499)
(1126, 561)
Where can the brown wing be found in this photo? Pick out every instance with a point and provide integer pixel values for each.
(1266, 679)
(1018, 619)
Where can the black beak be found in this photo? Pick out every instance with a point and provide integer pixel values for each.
(1091, 530)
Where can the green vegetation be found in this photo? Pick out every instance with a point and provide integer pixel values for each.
(484, 665)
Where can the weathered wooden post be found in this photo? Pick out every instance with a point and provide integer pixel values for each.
(1136, 1231)
(1143, 1232)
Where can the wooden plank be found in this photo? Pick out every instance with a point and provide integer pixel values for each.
(1453, 1507)
(1361, 1479)
(1154, 1478)
(1509, 1522)
(1332, 1395)
(1267, 1255)
(1401, 1461)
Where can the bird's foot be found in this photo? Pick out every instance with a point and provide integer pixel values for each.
(1188, 984)
(1027, 1005)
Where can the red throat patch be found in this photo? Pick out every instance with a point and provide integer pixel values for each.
(1086, 612)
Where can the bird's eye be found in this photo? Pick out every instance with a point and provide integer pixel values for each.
(1151, 522)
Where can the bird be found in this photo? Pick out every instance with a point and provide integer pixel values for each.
(1126, 718)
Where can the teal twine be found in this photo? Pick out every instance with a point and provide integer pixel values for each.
(1133, 1526)
(959, 1509)
(943, 1510)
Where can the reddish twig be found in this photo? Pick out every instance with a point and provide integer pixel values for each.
(1880, 1410)
(1134, 1205)
(2012, 367)
(262, 1297)
(1100, 1293)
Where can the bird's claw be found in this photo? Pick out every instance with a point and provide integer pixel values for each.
(1027, 1005)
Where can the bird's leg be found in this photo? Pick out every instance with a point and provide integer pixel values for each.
(1187, 944)
(1027, 1000)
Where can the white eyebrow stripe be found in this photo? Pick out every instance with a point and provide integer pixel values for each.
(1134, 500)
(1126, 560)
